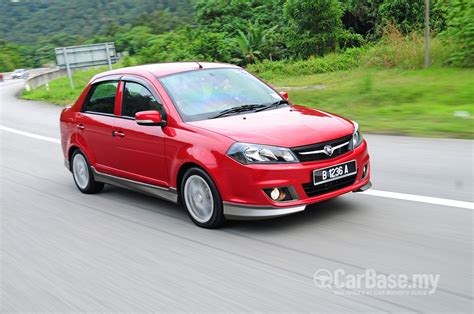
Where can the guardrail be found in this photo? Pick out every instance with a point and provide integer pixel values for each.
(43, 78)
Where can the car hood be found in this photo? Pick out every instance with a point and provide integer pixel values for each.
(288, 126)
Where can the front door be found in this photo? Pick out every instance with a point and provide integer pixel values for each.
(140, 149)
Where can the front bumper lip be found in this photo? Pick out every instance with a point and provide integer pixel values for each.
(365, 187)
(249, 212)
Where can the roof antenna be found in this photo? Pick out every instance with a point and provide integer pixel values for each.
(199, 64)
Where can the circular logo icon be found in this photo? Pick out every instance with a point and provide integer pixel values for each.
(328, 150)
(323, 278)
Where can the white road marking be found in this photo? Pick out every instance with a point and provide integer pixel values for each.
(420, 199)
(32, 135)
(386, 194)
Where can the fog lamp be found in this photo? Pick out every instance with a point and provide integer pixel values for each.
(277, 194)
(365, 171)
(281, 194)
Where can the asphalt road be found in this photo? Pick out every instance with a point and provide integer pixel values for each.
(122, 251)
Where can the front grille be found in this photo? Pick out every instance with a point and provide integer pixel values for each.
(313, 190)
(320, 147)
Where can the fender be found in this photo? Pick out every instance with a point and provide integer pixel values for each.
(207, 154)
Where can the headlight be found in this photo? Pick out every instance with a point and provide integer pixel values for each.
(260, 154)
(356, 136)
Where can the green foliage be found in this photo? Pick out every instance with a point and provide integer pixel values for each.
(11, 56)
(161, 21)
(187, 44)
(260, 21)
(395, 50)
(315, 25)
(229, 16)
(134, 39)
(371, 17)
(406, 14)
(330, 63)
(251, 42)
(316, 28)
(33, 19)
(461, 31)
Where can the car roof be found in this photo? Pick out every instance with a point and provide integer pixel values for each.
(163, 69)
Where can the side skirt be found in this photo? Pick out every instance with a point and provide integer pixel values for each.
(169, 194)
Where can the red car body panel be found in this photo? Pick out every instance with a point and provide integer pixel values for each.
(155, 155)
(286, 127)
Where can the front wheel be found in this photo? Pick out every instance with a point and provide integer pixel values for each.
(202, 199)
(82, 174)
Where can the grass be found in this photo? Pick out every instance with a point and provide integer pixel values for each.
(393, 101)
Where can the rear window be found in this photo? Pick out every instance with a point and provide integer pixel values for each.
(102, 98)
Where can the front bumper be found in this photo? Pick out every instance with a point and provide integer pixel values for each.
(249, 212)
(242, 186)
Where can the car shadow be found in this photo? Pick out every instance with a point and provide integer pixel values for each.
(145, 202)
(313, 215)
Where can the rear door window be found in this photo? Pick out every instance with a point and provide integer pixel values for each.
(102, 98)
(136, 98)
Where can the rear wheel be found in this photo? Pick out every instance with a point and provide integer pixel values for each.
(202, 199)
(82, 174)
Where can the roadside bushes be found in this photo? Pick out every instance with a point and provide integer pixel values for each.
(461, 31)
(346, 60)
(394, 50)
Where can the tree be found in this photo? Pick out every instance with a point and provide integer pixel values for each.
(371, 17)
(252, 42)
(11, 56)
(316, 25)
(461, 29)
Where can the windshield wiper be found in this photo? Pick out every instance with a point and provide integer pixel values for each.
(237, 110)
(275, 104)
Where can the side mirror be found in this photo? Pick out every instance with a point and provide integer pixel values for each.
(151, 117)
(284, 95)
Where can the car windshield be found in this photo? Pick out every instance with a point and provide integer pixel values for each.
(207, 93)
(19, 71)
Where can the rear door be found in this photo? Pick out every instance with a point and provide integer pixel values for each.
(140, 149)
(95, 123)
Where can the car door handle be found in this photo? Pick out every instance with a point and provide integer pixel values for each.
(81, 126)
(118, 134)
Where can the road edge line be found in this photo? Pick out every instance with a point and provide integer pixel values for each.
(420, 199)
(32, 135)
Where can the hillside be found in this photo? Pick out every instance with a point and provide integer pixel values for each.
(28, 21)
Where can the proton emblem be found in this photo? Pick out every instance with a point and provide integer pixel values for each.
(328, 150)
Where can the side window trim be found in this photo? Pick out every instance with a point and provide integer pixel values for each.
(148, 86)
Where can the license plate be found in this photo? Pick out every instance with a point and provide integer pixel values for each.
(334, 172)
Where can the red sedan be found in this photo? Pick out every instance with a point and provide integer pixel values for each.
(213, 137)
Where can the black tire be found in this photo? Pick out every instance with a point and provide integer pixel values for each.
(92, 186)
(217, 218)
